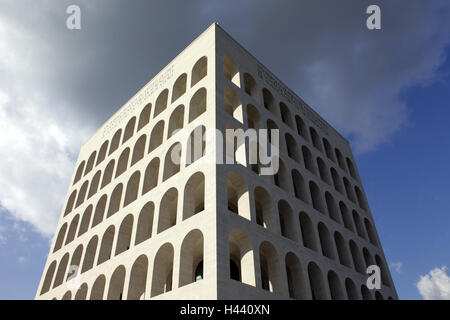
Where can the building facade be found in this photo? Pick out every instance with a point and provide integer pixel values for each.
(139, 224)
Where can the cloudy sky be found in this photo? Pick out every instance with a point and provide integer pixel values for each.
(386, 90)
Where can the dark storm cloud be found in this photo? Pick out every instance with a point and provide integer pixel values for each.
(61, 85)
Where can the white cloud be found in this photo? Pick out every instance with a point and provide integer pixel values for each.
(21, 260)
(397, 266)
(435, 285)
(37, 147)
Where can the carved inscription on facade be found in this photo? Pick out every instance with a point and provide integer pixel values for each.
(291, 98)
(142, 97)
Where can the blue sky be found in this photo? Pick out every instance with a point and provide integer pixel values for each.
(387, 91)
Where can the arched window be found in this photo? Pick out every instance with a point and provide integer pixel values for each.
(361, 199)
(114, 202)
(233, 105)
(318, 291)
(151, 176)
(168, 210)
(357, 259)
(352, 292)
(61, 272)
(242, 266)
(194, 195)
(346, 216)
(191, 258)
(334, 283)
(281, 178)
(138, 279)
(107, 176)
(161, 102)
(358, 224)
(349, 190)
(70, 203)
(367, 258)
(115, 291)
(231, 71)
(301, 127)
(291, 147)
(287, 223)
(384, 271)
(145, 223)
(162, 270)
(196, 145)
(72, 229)
(351, 169)
(132, 188)
(366, 295)
(295, 277)
(264, 209)
(286, 115)
(89, 256)
(179, 87)
(332, 208)
(172, 161)
(156, 136)
(328, 149)
(144, 117)
(98, 288)
(199, 71)
(139, 149)
(48, 278)
(315, 139)
(325, 241)
(99, 210)
(307, 158)
(79, 173)
(82, 194)
(336, 181)
(67, 296)
(94, 184)
(129, 130)
(323, 171)
(176, 121)
(316, 197)
(340, 158)
(197, 105)
(342, 250)
(60, 237)
(82, 292)
(75, 262)
(253, 118)
(371, 232)
(269, 101)
(85, 220)
(308, 232)
(90, 163)
(115, 141)
(250, 86)
(299, 186)
(270, 268)
(106, 246)
(122, 164)
(237, 195)
(124, 238)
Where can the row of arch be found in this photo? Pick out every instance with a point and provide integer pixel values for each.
(162, 278)
(194, 202)
(197, 106)
(195, 149)
(233, 106)
(299, 285)
(310, 193)
(300, 228)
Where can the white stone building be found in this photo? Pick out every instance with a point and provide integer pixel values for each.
(137, 225)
